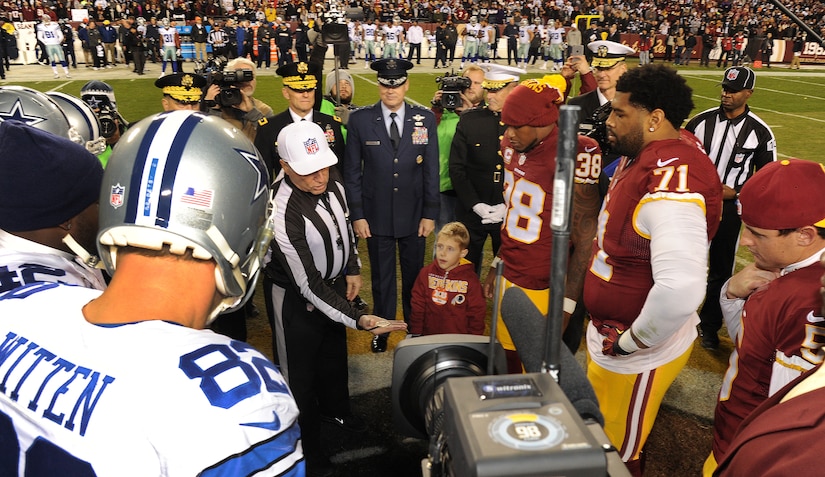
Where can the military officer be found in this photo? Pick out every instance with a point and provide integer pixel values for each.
(300, 88)
(391, 179)
(476, 167)
(181, 91)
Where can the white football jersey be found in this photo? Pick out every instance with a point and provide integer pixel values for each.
(472, 31)
(49, 34)
(23, 262)
(392, 33)
(556, 35)
(524, 34)
(369, 32)
(167, 36)
(150, 398)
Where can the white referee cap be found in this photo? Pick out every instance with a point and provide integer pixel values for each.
(304, 147)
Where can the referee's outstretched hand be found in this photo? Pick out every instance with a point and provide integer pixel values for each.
(379, 326)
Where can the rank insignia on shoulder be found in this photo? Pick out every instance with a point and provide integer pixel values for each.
(262, 121)
(338, 119)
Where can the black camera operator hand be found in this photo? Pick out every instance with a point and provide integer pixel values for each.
(246, 105)
(466, 103)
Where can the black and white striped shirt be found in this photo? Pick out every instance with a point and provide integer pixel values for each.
(314, 244)
(217, 38)
(738, 147)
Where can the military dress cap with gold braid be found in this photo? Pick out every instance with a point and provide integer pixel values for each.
(607, 53)
(299, 76)
(497, 77)
(392, 72)
(182, 87)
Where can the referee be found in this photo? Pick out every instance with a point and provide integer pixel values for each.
(739, 144)
(218, 39)
(315, 273)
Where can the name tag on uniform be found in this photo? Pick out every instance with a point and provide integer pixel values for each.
(420, 135)
(373, 143)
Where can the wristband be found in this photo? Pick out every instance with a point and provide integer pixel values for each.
(569, 305)
(626, 344)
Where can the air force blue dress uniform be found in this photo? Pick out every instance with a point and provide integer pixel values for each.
(393, 188)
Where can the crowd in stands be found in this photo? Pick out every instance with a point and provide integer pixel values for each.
(755, 17)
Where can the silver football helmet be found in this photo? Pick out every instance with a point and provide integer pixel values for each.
(165, 23)
(189, 181)
(524, 22)
(33, 108)
(473, 19)
(83, 121)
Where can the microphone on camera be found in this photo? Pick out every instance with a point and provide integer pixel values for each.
(526, 325)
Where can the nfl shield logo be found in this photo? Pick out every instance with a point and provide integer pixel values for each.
(311, 146)
(116, 197)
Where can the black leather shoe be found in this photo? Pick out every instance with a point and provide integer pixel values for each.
(349, 423)
(709, 341)
(359, 303)
(379, 343)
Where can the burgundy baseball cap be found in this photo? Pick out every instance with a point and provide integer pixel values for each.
(534, 102)
(786, 194)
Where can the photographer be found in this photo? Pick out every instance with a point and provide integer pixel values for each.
(455, 95)
(101, 98)
(232, 100)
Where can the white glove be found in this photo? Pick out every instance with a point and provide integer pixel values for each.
(496, 214)
(482, 210)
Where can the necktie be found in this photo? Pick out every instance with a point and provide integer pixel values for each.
(395, 137)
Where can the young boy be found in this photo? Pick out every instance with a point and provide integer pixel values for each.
(447, 296)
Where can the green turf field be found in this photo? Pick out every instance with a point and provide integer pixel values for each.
(793, 104)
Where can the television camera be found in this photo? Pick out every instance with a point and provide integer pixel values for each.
(215, 73)
(451, 86)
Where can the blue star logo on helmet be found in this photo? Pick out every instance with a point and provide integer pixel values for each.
(92, 101)
(263, 175)
(16, 113)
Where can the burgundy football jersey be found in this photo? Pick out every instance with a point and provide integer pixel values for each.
(620, 275)
(526, 237)
(782, 336)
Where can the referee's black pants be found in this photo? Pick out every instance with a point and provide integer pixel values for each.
(315, 365)
(722, 258)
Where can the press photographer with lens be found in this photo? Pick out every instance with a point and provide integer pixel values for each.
(229, 94)
(101, 98)
(456, 94)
